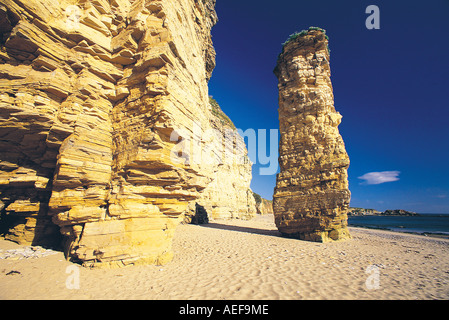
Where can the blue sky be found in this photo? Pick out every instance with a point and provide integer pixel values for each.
(391, 85)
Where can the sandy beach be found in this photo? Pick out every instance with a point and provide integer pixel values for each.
(237, 259)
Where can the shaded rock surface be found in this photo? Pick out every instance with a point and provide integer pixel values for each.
(200, 216)
(311, 197)
(94, 99)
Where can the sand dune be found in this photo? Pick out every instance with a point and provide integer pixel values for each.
(249, 260)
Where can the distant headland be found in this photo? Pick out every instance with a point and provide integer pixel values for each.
(353, 211)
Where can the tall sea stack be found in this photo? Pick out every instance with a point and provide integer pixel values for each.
(311, 197)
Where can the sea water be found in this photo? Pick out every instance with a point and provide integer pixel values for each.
(422, 224)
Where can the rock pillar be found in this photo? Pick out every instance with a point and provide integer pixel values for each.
(311, 197)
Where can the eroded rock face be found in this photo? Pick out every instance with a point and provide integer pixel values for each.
(265, 207)
(311, 197)
(229, 195)
(93, 96)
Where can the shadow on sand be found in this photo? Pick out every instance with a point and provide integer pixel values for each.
(265, 232)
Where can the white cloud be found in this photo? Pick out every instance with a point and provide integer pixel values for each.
(379, 177)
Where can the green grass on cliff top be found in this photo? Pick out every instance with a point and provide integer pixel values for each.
(295, 35)
(217, 112)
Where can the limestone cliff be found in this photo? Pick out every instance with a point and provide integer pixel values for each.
(228, 195)
(311, 197)
(95, 97)
(264, 207)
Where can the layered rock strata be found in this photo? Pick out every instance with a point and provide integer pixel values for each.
(264, 207)
(93, 98)
(311, 197)
(229, 195)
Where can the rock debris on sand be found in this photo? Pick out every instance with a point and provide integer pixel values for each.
(26, 253)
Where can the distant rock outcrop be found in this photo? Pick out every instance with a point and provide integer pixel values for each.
(356, 211)
(373, 212)
(95, 99)
(399, 212)
(311, 197)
